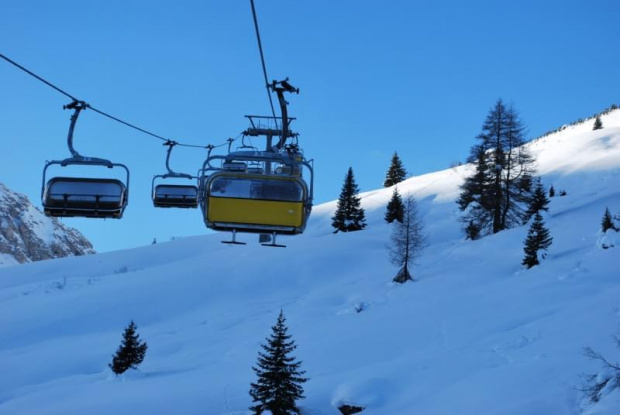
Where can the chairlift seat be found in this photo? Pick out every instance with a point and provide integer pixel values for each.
(175, 195)
(84, 197)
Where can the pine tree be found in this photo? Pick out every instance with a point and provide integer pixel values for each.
(538, 239)
(538, 202)
(280, 379)
(598, 124)
(395, 208)
(474, 199)
(349, 214)
(131, 351)
(607, 222)
(396, 173)
(551, 191)
(407, 241)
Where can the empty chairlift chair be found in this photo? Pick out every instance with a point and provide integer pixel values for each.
(87, 197)
(84, 196)
(167, 195)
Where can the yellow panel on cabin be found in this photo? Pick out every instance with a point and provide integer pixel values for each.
(259, 212)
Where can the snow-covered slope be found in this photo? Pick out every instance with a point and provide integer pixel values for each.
(28, 235)
(476, 333)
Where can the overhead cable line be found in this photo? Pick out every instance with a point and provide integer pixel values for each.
(262, 59)
(99, 111)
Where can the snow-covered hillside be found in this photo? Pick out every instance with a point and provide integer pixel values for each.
(27, 235)
(476, 333)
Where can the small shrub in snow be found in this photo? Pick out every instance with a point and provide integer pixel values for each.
(122, 270)
(563, 193)
(607, 222)
(350, 409)
(602, 383)
(130, 353)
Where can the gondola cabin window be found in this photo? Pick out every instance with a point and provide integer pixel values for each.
(257, 188)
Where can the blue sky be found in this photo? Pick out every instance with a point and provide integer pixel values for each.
(375, 77)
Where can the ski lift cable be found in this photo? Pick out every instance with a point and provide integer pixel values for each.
(29, 72)
(262, 59)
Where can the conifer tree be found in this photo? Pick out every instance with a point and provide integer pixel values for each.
(396, 173)
(395, 208)
(349, 214)
(538, 239)
(598, 124)
(495, 197)
(407, 241)
(280, 379)
(472, 230)
(551, 191)
(607, 222)
(538, 202)
(131, 351)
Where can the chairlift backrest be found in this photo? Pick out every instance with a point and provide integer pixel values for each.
(86, 197)
(175, 195)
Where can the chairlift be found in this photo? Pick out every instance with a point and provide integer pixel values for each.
(167, 195)
(262, 192)
(83, 196)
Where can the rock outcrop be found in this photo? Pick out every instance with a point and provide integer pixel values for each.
(27, 235)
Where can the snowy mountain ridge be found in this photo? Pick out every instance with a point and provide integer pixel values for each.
(476, 333)
(27, 235)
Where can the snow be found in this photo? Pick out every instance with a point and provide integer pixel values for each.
(475, 333)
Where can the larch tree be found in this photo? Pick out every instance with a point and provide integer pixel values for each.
(537, 242)
(349, 214)
(495, 197)
(280, 379)
(396, 172)
(407, 241)
(395, 208)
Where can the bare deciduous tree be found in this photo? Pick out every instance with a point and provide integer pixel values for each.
(407, 240)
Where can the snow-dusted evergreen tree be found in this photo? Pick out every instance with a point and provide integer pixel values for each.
(407, 240)
(538, 241)
(396, 172)
(395, 208)
(131, 351)
(551, 191)
(280, 379)
(607, 221)
(496, 199)
(598, 124)
(349, 214)
(539, 201)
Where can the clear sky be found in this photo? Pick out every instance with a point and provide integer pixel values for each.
(375, 77)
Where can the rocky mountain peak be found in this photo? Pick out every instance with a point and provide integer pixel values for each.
(27, 235)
